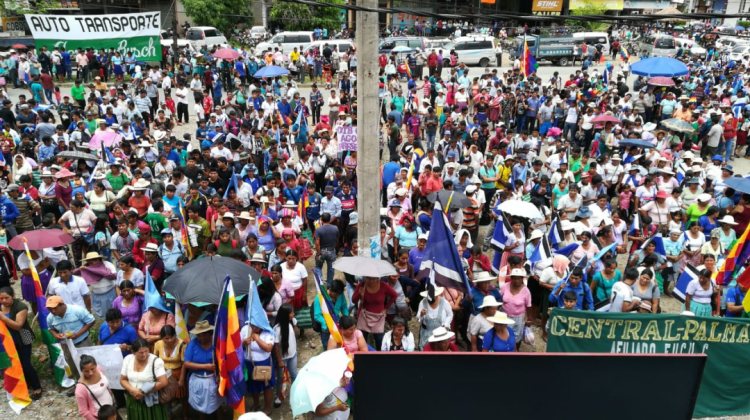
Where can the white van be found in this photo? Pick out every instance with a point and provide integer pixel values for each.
(474, 50)
(286, 41)
(342, 45)
(659, 46)
(181, 43)
(593, 38)
(205, 35)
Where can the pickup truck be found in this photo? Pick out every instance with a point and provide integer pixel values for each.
(557, 49)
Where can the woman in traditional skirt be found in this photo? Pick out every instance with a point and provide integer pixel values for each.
(171, 350)
(258, 346)
(203, 394)
(699, 294)
(494, 115)
(296, 274)
(28, 291)
(142, 370)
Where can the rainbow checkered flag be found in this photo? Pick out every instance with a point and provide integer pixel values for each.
(13, 380)
(230, 360)
(60, 368)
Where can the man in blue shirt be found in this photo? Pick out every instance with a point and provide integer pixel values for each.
(117, 332)
(585, 300)
(69, 321)
(735, 296)
(531, 110)
(390, 170)
(398, 117)
(285, 108)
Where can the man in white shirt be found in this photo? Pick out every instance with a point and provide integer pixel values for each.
(269, 105)
(430, 159)
(244, 191)
(571, 202)
(72, 289)
(220, 151)
(621, 297)
(181, 98)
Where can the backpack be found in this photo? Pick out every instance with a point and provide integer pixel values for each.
(704, 129)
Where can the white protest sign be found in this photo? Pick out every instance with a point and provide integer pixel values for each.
(108, 357)
(127, 32)
(347, 138)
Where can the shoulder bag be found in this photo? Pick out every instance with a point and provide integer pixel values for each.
(260, 373)
(167, 393)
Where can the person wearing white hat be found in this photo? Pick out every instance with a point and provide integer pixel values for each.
(479, 324)
(432, 315)
(727, 235)
(501, 339)
(439, 341)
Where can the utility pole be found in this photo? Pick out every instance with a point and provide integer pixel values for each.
(174, 39)
(368, 112)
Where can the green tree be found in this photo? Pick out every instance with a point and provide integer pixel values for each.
(589, 9)
(300, 17)
(221, 14)
(20, 7)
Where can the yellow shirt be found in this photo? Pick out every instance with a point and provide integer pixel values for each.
(294, 56)
(171, 361)
(504, 172)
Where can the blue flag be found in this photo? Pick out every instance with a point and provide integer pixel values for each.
(658, 241)
(541, 252)
(441, 257)
(502, 231)
(689, 274)
(152, 297)
(108, 156)
(556, 234)
(255, 314)
(567, 250)
(232, 185)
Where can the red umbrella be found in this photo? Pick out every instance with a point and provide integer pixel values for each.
(605, 118)
(20, 47)
(227, 54)
(661, 81)
(40, 239)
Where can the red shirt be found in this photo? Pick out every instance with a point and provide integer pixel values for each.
(430, 184)
(32, 192)
(375, 302)
(138, 255)
(47, 81)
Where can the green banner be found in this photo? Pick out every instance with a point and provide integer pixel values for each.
(725, 388)
(145, 48)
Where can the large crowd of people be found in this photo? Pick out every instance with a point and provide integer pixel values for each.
(259, 176)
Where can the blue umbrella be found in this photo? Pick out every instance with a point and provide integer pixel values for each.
(636, 143)
(738, 184)
(739, 28)
(271, 71)
(679, 28)
(659, 66)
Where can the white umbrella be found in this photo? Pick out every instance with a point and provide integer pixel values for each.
(521, 209)
(402, 49)
(321, 375)
(364, 266)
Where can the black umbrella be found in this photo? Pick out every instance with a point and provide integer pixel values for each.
(201, 280)
(76, 155)
(457, 200)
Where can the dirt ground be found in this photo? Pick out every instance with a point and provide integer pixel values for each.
(55, 405)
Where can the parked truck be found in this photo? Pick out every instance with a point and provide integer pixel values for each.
(557, 49)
